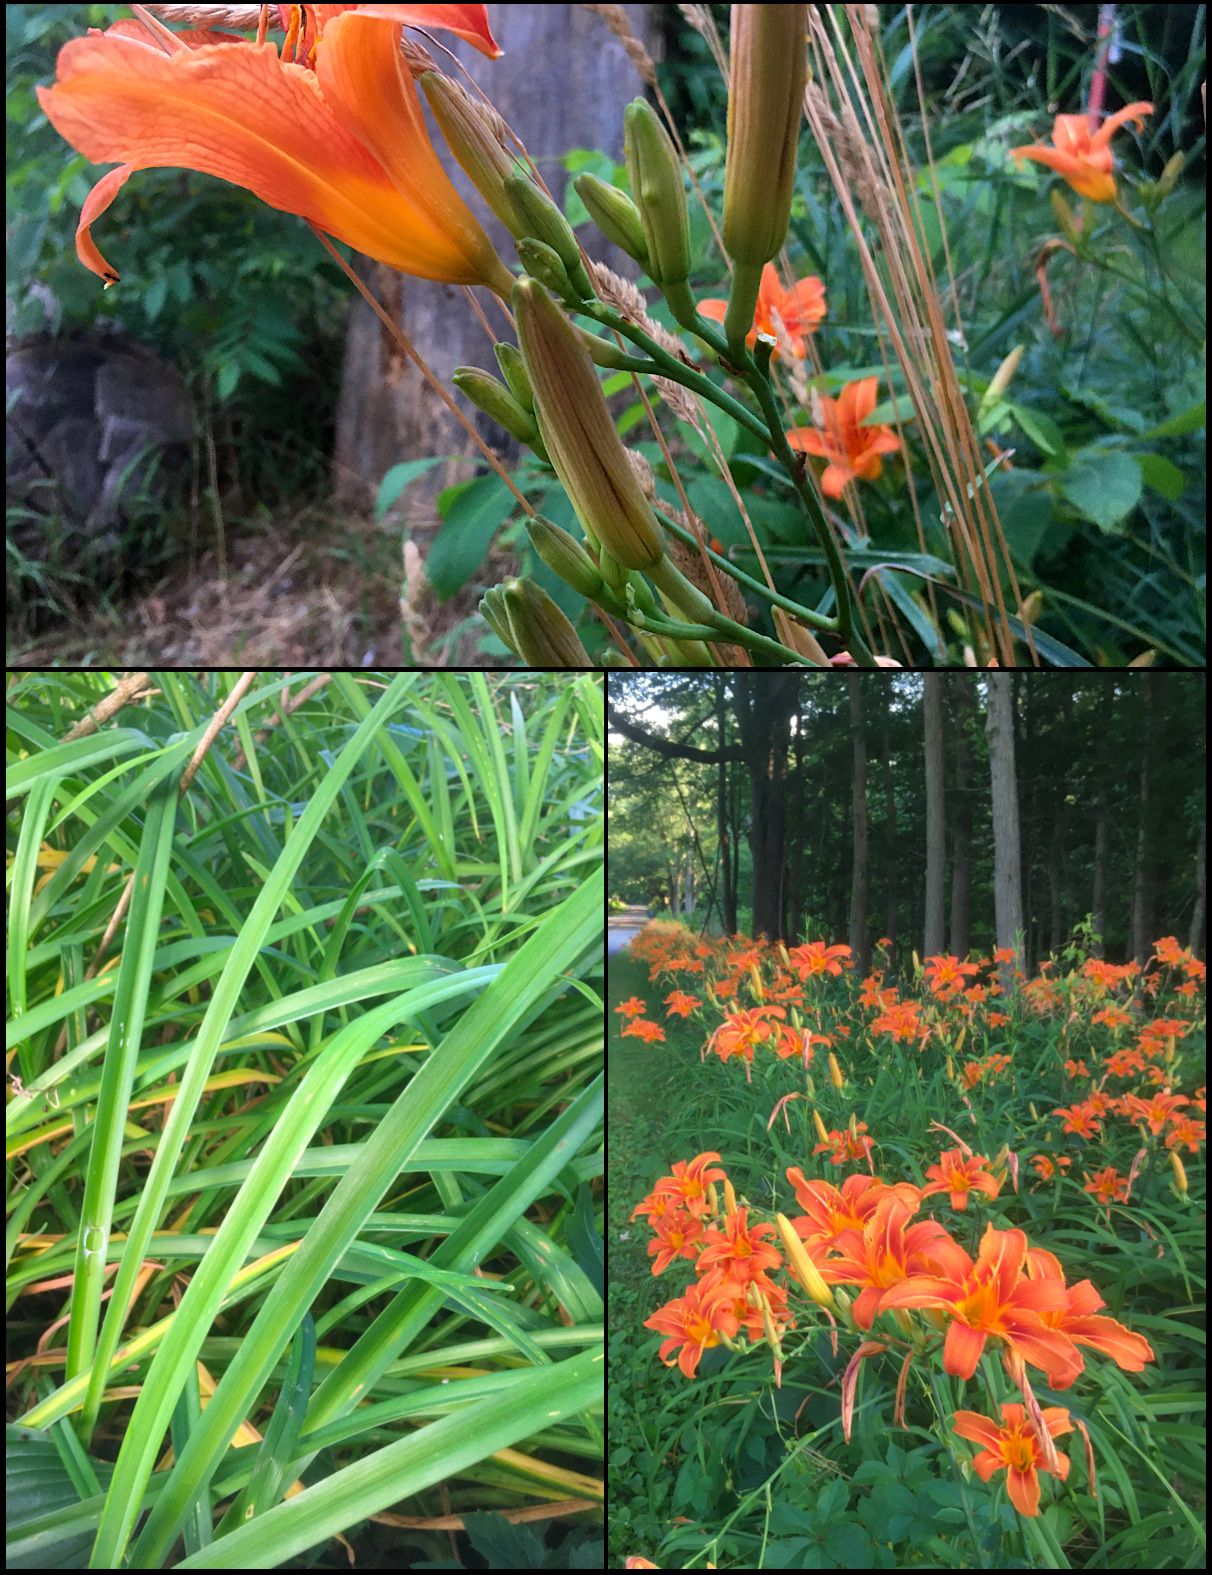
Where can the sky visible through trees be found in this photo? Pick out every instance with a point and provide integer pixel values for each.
(947, 812)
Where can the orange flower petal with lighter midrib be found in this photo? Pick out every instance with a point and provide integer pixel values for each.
(296, 138)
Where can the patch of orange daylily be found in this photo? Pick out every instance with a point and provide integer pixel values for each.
(335, 135)
(1084, 160)
(796, 311)
(1015, 1449)
(853, 450)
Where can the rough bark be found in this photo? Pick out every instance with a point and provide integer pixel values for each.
(1007, 867)
(963, 702)
(858, 886)
(936, 842)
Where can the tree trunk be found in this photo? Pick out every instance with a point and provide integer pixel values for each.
(1102, 827)
(1152, 748)
(1195, 938)
(858, 886)
(890, 847)
(936, 843)
(764, 703)
(962, 704)
(723, 818)
(562, 83)
(1007, 868)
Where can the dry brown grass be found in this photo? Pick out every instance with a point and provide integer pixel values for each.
(305, 589)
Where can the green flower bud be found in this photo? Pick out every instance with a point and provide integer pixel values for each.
(656, 180)
(496, 616)
(615, 215)
(543, 635)
(564, 555)
(580, 436)
(545, 222)
(513, 370)
(604, 352)
(487, 393)
(543, 264)
(476, 136)
(765, 102)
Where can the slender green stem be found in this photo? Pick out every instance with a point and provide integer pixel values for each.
(816, 619)
(853, 641)
(669, 366)
(722, 628)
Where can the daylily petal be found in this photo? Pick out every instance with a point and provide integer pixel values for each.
(1135, 112)
(238, 111)
(466, 21)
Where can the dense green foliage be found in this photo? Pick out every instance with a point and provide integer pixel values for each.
(325, 1100)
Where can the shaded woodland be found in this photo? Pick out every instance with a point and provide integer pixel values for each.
(943, 812)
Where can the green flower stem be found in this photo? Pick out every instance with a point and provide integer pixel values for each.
(663, 364)
(817, 620)
(720, 629)
(852, 640)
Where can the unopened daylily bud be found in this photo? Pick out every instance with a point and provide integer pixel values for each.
(768, 1329)
(496, 616)
(802, 1266)
(544, 222)
(490, 395)
(835, 1073)
(1180, 1175)
(580, 436)
(543, 636)
(603, 352)
(713, 1206)
(615, 215)
(513, 370)
(729, 1196)
(660, 194)
(756, 979)
(475, 135)
(1065, 220)
(765, 102)
(959, 1043)
(564, 555)
(543, 263)
(821, 1131)
(1000, 381)
(1171, 172)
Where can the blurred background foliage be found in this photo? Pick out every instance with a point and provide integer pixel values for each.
(1105, 519)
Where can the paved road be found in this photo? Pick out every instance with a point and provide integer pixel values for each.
(621, 927)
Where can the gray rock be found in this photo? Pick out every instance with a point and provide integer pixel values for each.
(94, 425)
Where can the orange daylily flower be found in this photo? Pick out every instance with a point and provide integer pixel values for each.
(853, 450)
(797, 310)
(992, 1298)
(959, 1176)
(340, 141)
(816, 958)
(1014, 1448)
(695, 1322)
(1084, 160)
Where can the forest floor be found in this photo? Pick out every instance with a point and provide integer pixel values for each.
(299, 591)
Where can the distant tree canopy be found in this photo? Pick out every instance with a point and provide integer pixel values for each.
(732, 798)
